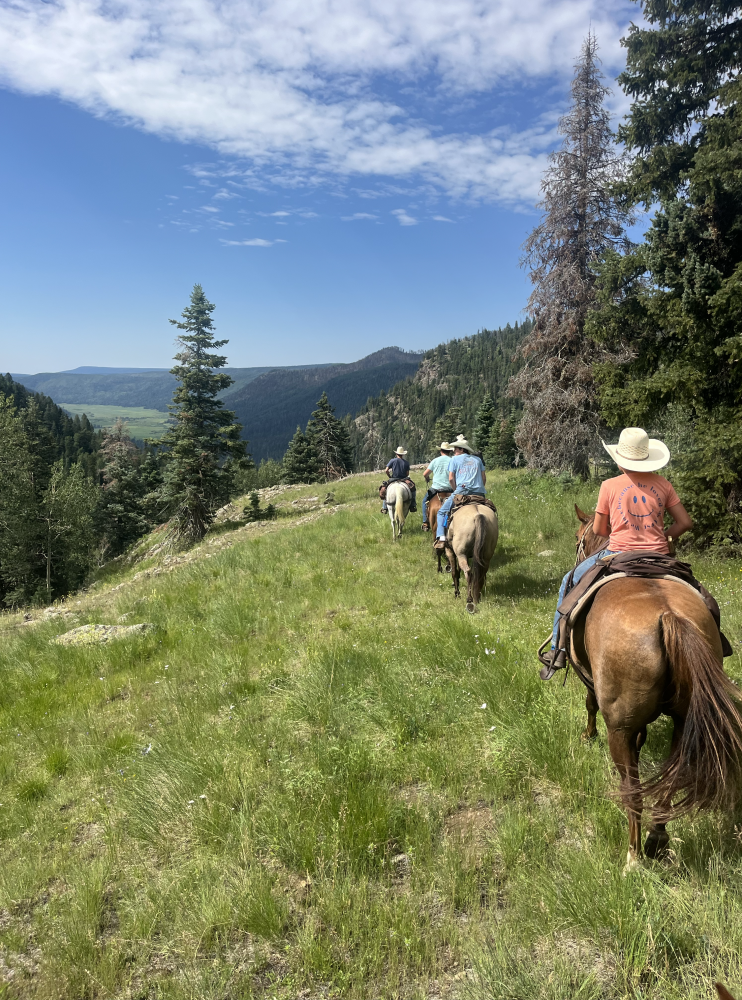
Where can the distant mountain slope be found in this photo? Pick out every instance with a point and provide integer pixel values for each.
(268, 402)
(152, 389)
(271, 406)
(454, 374)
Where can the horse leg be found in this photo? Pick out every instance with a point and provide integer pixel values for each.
(625, 756)
(469, 577)
(455, 575)
(591, 704)
(658, 838)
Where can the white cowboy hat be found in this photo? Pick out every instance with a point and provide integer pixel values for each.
(400, 451)
(462, 443)
(637, 452)
(445, 446)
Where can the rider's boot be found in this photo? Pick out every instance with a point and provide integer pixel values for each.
(440, 544)
(557, 660)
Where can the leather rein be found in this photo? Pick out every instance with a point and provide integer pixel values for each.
(581, 552)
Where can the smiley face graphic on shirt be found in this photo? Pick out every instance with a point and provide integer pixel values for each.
(641, 507)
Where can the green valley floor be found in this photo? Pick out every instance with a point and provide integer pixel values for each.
(318, 776)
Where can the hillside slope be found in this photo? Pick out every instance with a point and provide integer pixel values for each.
(454, 374)
(271, 407)
(319, 777)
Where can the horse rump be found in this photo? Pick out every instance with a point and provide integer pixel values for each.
(703, 769)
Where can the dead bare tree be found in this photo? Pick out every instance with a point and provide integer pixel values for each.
(581, 219)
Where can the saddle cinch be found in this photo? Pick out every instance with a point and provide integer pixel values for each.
(648, 565)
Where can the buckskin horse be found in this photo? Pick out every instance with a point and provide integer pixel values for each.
(398, 499)
(470, 544)
(651, 648)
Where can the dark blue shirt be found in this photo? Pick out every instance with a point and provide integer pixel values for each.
(399, 468)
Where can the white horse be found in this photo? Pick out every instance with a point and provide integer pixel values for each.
(398, 499)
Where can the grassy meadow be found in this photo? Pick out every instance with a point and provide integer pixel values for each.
(143, 422)
(320, 777)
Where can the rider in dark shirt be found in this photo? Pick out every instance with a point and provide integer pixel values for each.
(399, 469)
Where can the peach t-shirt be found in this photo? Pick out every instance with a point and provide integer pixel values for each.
(635, 504)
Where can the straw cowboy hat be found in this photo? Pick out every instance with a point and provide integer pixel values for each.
(637, 452)
(445, 446)
(400, 451)
(462, 443)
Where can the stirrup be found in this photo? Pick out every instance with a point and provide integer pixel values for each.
(551, 663)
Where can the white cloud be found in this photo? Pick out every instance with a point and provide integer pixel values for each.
(358, 215)
(290, 87)
(441, 218)
(403, 218)
(250, 243)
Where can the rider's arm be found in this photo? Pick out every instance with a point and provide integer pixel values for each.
(682, 521)
(452, 480)
(427, 474)
(388, 472)
(602, 525)
(484, 477)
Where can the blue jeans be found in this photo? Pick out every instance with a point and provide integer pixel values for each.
(580, 571)
(445, 510)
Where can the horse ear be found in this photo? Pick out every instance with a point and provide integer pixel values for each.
(723, 992)
(581, 515)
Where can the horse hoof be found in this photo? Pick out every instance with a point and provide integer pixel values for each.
(655, 846)
(633, 863)
(471, 607)
(587, 737)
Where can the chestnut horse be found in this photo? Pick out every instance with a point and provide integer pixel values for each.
(470, 544)
(652, 648)
(434, 505)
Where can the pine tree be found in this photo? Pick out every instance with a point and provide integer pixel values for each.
(581, 221)
(485, 421)
(328, 437)
(204, 445)
(20, 562)
(449, 426)
(300, 463)
(122, 514)
(66, 512)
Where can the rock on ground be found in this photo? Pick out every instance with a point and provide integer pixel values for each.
(91, 635)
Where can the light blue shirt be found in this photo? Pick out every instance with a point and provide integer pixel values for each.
(469, 473)
(439, 468)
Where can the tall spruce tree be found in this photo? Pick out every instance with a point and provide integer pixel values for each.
(329, 438)
(581, 220)
(486, 416)
(121, 515)
(204, 444)
(300, 463)
(676, 300)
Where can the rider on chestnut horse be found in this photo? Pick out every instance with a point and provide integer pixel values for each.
(630, 513)
(438, 469)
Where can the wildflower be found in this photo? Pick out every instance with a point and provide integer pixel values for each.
(483, 705)
(147, 749)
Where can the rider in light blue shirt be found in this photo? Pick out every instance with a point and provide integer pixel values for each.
(438, 470)
(466, 475)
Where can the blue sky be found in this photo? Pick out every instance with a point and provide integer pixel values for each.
(338, 176)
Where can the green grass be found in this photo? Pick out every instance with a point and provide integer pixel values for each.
(143, 423)
(292, 788)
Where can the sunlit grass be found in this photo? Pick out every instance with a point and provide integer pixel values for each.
(293, 784)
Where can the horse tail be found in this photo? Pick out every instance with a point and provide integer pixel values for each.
(478, 568)
(703, 768)
(399, 504)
